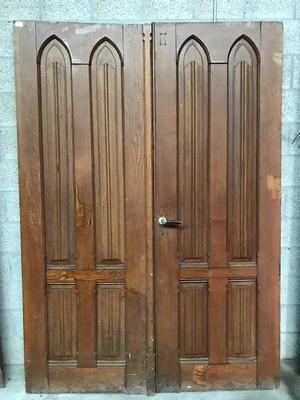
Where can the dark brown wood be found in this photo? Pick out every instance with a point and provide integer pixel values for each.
(97, 300)
(89, 205)
(209, 144)
(167, 360)
(269, 206)
(135, 206)
(32, 240)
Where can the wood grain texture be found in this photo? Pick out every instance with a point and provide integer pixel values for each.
(241, 315)
(111, 321)
(30, 180)
(86, 380)
(62, 322)
(165, 181)
(57, 151)
(86, 310)
(107, 95)
(204, 377)
(135, 209)
(269, 206)
(218, 167)
(193, 87)
(193, 320)
(149, 187)
(242, 151)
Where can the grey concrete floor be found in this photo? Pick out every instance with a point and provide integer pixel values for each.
(289, 389)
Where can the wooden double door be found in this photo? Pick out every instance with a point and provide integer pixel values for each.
(149, 179)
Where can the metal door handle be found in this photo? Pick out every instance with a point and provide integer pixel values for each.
(168, 222)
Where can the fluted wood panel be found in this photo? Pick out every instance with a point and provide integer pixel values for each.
(242, 319)
(111, 321)
(242, 151)
(193, 319)
(62, 326)
(57, 152)
(106, 87)
(193, 77)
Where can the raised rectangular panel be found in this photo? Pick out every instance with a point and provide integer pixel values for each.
(241, 319)
(106, 89)
(57, 152)
(62, 325)
(193, 319)
(111, 321)
(193, 86)
(242, 150)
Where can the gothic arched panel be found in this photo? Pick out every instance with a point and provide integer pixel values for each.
(193, 114)
(242, 150)
(106, 89)
(57, 151)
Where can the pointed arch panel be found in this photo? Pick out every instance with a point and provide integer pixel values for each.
(106, 88)
(57, 151)
(193, 111)
(242, 150)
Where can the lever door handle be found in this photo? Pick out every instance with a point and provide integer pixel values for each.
(168, 222)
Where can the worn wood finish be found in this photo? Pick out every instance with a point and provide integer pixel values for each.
(269, 206)
(102, 310)
(83, 188)
(32, 238)
(213, 172)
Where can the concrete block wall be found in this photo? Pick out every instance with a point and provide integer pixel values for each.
(145, 11)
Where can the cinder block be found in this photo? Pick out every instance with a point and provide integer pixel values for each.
(10, 266)
(8, 175)
(291, 37)
(9, 237)
(71, 10)
(296, 73)
(11, 295)
(203, 10)
(290, 105)
(287, 71)
(6, 39)
(7, 78)
(290, 261)
(8, 143)
(266, 9)
(290, 202)
(290, 232)
(13, 351)
(9, 207)
(290, 290)
(7, 109)
(289, 345)
(17, 10)
(289, 170)
(230, 9)
(11, 323)
(290, 318)
(290, 138)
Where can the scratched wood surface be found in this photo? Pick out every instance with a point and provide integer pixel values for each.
(113, 132)
(84, 266)
(214, 172)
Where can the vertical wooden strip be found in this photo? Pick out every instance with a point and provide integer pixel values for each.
(218, 163)
(269, 205)
(32, 239)
(84, 216)
(217, 321)
(167, 361)
(134, 156)
(147, 32)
